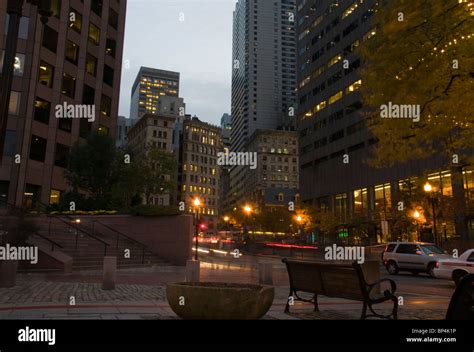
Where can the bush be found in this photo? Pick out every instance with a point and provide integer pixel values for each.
(154, 210)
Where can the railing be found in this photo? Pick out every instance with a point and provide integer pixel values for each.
(70, 223)
(120, 234)
(53, 243)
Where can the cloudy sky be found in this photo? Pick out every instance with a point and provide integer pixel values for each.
(193, 37)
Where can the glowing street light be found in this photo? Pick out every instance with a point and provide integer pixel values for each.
(247, 209)
(433, 200)
(197, 204)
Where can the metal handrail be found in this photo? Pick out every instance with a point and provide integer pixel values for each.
(71, 224)
(53, 243)
(143, 246)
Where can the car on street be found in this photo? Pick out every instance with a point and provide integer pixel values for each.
(456, 268)
(415, 257)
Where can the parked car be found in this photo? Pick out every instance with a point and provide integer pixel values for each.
(415, 257)
(456, 268)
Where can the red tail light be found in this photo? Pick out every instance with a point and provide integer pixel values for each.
(437, 264)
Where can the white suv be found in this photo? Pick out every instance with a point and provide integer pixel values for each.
(415, 257)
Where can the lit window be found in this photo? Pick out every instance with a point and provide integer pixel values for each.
(320, 106)
(354, 86)
(334, 60)
(335, 97)
(94, 34)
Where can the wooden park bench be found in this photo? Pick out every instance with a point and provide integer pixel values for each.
(337, 280)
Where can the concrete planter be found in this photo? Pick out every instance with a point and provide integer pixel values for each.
(8, 270)
(219, 301)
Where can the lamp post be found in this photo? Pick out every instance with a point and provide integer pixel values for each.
(197, 204)
(14, 10)
(417, 216)
(299, 220)
(248, 212)
(433, 201)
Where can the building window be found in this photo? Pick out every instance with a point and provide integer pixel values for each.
(88, 95)
(14, 106)
(37, 148)
(31, 195)
(4, 185)
(96, 7)
(281, 197)
(50, 39)
(336, 97)
(46, 74)
(68, 87)
(104, 130)
(54, 196)
(113, 19)
(61, 156)
(23, 31)
(441, 182)
(42, 110)
(105, 105)
(383, 199)
(65, 124)
(75, 20)
(108, 75)
(360, 200)
(85, 127)
(72, 52)
(56, 8)
(10, 141)
(353, 87)
(18, 66)
(91, 65)
(340, 203)
(110, 47)
(94, 33)
(468, 176)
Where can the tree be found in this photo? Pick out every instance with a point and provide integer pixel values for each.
(93, 168)
(422, 54)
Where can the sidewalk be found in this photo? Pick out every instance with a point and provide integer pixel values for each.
(141, 294)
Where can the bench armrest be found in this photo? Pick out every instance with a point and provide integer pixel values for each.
(386, 293)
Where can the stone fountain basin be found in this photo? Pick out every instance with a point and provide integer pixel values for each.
(219, 301)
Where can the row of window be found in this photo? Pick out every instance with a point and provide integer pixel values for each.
(201, 169)
(333, 99)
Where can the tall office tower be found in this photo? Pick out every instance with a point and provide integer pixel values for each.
(224, 182)
(264, 72)
(73, 62)
(333, 138)
(150, 85)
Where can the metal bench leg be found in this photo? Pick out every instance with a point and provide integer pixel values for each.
(316, 307)
(364, 311)
(395, 309)
(287, 307)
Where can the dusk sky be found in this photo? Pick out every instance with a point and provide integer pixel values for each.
(199, 47)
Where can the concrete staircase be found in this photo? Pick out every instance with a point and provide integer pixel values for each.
(91, 247)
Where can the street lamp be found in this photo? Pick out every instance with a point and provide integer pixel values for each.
(433, 201)
(417, 216)
(197, 204)
(248, 211)
(14, 10)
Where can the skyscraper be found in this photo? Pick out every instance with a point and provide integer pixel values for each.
(334, 140)
(75, 60)
(264, 69)
(149, 86)
(264, 73)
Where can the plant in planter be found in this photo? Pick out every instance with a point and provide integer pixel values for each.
(15, 229)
